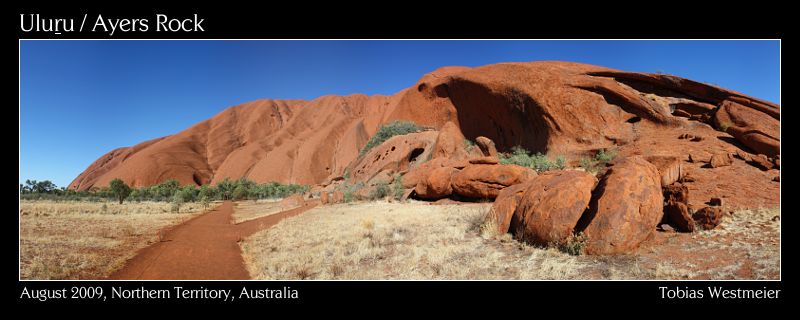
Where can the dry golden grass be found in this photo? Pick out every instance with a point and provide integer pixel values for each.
(249, 210)
(380, 240)
(89, 240)
(419, 241)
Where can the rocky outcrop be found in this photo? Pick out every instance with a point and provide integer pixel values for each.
(487, 146)
(626, 208)
(549, 107)
(708, 218)
(484, 181)
(551, 206)
(437, 184)
(756, 125)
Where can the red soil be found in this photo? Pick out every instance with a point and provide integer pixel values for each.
(205, 247)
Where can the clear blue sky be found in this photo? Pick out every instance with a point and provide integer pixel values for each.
(80, 99)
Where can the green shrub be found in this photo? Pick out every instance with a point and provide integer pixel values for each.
(349, 190)
(170, 190)
(539, 162)
(561, 162)
(387, 131)
(240, 193)
(120, 190)
(724, 126)
(379, 191)
(468, 145)
(177, 202)
(605, 156)
(574, 245)
(601, 159)
(397, 187)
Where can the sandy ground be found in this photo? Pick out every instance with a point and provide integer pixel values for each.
(378, 240)
(249, 210)
(89, 240)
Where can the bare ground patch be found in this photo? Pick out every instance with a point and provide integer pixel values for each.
(249, 210)
(89, 240)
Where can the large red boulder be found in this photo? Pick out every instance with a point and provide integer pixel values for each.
(708, 218)
(436, 184)
(450, 143)
(627, 207)
(484, 181)
(323, 197)
(551, 206)
(505, 204)
(722, 159)
(678, 215)
(420, 172)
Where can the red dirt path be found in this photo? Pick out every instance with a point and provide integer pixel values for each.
(205, 247)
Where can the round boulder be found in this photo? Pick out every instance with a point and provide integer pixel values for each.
(552, 205)
(627, 207)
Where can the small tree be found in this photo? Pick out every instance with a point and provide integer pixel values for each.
(240, 192)
(120, 189)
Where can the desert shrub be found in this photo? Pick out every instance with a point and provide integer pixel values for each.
(724, 126)
(168, 191)
(187, 194)
(206, 191)
(349, 190)
(240, 193)
(205, 201)
(587, 164)
(605, 156)
(387, 131)
(600, 159)
(379, 191)
(574, 245)
(167, 188)
(397, 187)
(560, 163)
(468, 145)
(177, 202)
(224, 189)
(539, 162)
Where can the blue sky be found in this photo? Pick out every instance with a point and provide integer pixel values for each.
(80, 99)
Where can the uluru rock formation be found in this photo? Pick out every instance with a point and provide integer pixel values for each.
(562, 108)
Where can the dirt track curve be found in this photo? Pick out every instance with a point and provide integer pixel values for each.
(205, 247)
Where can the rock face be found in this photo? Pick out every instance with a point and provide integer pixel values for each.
(450, 143)
(551, 206)
(505, 204)
(396, 154)
(669, 167)
(678, 215)
(436, 184)
(555, 107)
(324, 197)
(761, 161)
(483, 181)
(754, 123)
(626, 208)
